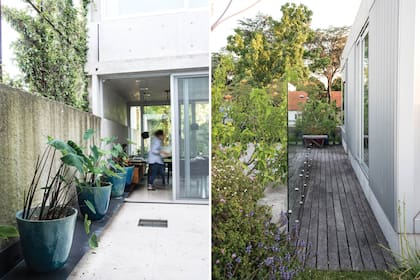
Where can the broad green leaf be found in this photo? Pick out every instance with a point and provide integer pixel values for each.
(109, 140)
(95, 152)
(88, 134)
(93, 241)
(87, 224)
(8, 232)
(73, 160)
(90, 206)
(61, 146)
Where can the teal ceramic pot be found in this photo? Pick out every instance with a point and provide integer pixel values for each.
(46, 244)
(98, 196)
(118, 184)
(129, 176)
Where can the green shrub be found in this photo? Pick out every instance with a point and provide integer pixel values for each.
(245, 244)
(318, 117)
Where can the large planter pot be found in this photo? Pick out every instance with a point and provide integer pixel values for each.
(118, 184)
(46, 244)
(129, 175)
(97, 196)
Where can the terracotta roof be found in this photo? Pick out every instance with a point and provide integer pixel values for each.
(299, 97)
(295, 99)
(336, 96)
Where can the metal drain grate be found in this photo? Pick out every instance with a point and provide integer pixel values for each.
(153, 223)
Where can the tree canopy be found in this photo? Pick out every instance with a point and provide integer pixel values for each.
(268, 49)
(324, 52)
(51, 50)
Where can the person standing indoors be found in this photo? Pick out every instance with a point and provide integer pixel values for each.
(155, 160)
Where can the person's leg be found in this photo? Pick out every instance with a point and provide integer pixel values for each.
(153, 169)
(162, 172)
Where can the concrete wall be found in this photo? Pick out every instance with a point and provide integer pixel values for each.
(25, 122)
(115, 106)
(115, 115)
(173, 40)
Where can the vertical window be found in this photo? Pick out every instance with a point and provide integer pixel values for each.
(365, 98)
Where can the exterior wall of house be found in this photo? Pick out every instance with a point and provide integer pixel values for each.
(388, 182)
(148, 42)
(144, 43)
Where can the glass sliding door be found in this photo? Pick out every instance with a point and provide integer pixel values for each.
(191, 111)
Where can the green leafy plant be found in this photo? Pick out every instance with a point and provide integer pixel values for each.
(92, 165)
(318, 117)
(252, 126)
(7, 232)
(51, 50)
(55, 185)
(119, 156)
(245, 244)
(409, 258)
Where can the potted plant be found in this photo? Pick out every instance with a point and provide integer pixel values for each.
(92, 189)
(46, 228)
(118, 164)
(120, 158)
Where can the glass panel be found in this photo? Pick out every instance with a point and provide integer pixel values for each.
(126, 7)
(366, 100)
(194, 108)
(154, 118)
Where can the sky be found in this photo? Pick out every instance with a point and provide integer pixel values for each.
(325, 13)
(9, 35)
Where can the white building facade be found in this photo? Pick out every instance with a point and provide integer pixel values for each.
(154, 53)
(381, 133)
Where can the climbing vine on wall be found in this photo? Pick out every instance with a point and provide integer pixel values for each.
(51, 50)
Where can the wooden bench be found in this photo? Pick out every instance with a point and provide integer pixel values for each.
(316, 140)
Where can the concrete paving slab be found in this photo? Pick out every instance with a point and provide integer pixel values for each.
(127, 251)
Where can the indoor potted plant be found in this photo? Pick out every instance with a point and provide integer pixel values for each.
(92, 190)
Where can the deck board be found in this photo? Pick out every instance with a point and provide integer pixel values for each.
(335, 220)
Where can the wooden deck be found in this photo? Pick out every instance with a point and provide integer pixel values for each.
(334, 216)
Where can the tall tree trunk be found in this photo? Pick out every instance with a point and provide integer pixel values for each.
(329, 89)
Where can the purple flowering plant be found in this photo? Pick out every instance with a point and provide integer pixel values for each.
(245, 244)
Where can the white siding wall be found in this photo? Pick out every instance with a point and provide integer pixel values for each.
(383, 57)
(394, 114)
(383, 65)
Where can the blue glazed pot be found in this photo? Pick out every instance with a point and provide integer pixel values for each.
(98, 196)
(129, 176)
(46, 244)
(118, 184)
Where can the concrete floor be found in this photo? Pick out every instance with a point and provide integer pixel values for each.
(127, 251)
(276, 197)
(141, 194)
